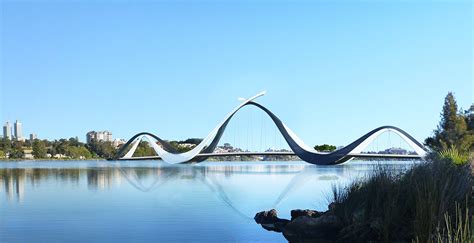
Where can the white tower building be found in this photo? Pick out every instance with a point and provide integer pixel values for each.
(18, 130)
(7, 130)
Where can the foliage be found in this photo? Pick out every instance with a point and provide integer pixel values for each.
(469, 114)
(72, 148)
(60, 147)
(16, 151)
(69, 147)
(325, 148)
(5, 145)
(402, 207)
(454, 155)
(78, 152)
(180, 147)
(28, 144)
(74, 142)
(144, 149)
(454, 130)
(2, 154)
(16, 154)
(39, 149)
(458, 230)
(12, 149)
(101, 149)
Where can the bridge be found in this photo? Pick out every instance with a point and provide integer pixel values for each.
(206, 147)
(237, 154)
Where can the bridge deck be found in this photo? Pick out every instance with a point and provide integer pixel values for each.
(384, 156)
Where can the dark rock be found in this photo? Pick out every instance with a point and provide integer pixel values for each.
(266, 217)
(277, 226)
(321, 229)
(306, 212)
(270, 221)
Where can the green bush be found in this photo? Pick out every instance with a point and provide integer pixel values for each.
(454, 155)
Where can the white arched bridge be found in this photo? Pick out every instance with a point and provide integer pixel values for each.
(205, 149)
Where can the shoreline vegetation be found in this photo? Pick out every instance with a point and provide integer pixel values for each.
(431, 202)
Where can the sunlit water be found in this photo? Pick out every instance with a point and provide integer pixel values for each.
(91, 201)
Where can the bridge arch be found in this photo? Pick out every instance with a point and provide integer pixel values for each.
(303, 151)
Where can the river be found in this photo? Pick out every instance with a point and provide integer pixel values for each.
(97, 201)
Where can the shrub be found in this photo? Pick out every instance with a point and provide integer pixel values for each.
(390, 206)
(454, 155)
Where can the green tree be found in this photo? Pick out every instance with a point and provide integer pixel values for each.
(51, 150)
(449, 116)
(39, 149)
(181, 148)
(60, 146)
(18, 145)
(74, 142)
(325, 148)
(453, 130)
(16, 151)
(5, 145)
(469, 114)
(28, 143)
(102, 149)
(78, 152)
(16, 154)
(144, 149)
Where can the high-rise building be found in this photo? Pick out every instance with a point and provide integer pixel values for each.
(104, 136)
(33, 137)
(18, 131)
(7, 130)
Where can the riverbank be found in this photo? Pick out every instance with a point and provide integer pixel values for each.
(428, 202)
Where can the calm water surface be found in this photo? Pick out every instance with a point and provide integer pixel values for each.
(97, 201)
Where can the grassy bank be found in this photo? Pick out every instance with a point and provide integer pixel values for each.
(429, 203)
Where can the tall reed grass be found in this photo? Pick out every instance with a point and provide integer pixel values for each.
(418, 205)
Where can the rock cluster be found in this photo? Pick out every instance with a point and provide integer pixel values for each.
(270, 221)
(305, 225)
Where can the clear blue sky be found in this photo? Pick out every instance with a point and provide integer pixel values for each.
(333, 69)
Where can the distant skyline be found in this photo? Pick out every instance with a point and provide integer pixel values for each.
(333, 70)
